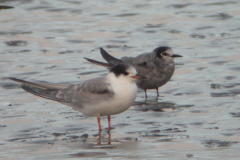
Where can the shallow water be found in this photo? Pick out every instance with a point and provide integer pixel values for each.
(197, 115)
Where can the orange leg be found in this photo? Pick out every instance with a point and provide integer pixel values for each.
(100, 129)
(109, 123)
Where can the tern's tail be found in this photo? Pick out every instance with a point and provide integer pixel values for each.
(42, 89)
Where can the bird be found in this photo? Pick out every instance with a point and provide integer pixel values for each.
(102, 96)
(158, 66)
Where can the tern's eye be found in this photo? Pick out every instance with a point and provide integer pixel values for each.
(164, 54)
(125, 73)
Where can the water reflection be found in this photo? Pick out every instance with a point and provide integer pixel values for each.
(88, 154)
(153, 105)
(102, 137)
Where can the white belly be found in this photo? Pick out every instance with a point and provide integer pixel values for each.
(123, 98)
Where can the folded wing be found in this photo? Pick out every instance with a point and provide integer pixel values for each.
(91, 91)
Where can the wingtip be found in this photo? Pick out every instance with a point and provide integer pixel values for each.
(110, 59)
(102, 51)
(12, 78)
(98, 63)
(104, 54)
(16, 80)
(88, 59)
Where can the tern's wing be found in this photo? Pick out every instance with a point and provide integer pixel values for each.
(42, 89)
(110, 59)
(142, 58)
(107, 65)
(91, 91)
(143, 62)
(43, 85)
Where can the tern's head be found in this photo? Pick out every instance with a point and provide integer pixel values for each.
(125, 71)
(165, 52)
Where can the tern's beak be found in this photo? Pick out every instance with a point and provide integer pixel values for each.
(137, 76)
(176, 55)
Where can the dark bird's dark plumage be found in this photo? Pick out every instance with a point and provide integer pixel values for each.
(158, 66)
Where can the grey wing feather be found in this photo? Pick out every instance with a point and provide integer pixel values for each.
(42, 85)
(107, 65)
(110, 59)
(91, 91)
(45, 93)
(143, 63)
(42, 89)
(142, 59)
(127, 59)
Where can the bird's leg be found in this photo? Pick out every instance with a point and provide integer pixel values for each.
(100, 129)
(109, 123)
(145, 90)
(109, 129)
(157, 92)
(99, 123)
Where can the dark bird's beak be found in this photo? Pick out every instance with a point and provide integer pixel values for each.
(137, 76)
(176, 55)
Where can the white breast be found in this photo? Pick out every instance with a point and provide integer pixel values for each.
(125, 93)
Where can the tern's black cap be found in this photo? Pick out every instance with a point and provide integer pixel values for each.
(160, 50)
(120, 69)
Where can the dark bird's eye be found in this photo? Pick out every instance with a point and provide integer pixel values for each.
(125, 73)
(160, 51)
(164, 54)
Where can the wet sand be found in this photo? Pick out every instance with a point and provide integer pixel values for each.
(196, 117)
